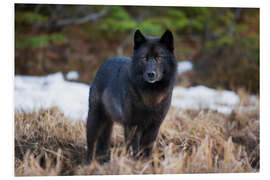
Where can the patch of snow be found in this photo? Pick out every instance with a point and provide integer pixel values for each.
(33, 93)
(184, 66)
(201, 97)
(254, 100)
(247, 108)
(72, 75)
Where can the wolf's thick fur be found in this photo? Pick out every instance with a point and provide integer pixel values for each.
(135, 92)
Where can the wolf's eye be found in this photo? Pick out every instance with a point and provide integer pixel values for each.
(159, 58)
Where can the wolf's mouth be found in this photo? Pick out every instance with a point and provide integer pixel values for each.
(151, 81)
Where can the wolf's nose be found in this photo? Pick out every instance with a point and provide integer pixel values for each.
(151, 75)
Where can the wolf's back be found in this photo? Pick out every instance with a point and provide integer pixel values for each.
(108, 72)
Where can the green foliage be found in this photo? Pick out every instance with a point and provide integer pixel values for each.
(252, 46)
(176, 20)
(150, 27)
(30, 17)
(38, 40)
(197, 24)
(118, 21)
(224, 41)
(187, 20)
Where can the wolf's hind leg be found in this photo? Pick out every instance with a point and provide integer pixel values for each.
(94, 126)
(103, 142)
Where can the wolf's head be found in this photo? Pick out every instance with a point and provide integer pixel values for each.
(153, 58)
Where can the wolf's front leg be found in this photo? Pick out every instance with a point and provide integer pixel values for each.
(132, 138)
(149, 136)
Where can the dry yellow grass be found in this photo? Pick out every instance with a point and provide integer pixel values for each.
(47, 143)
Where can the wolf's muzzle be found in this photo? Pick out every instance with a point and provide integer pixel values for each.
(150, 76)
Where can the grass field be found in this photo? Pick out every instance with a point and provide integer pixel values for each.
(204, 141)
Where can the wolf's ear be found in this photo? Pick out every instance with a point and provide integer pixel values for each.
(167, 40)
(139, 39)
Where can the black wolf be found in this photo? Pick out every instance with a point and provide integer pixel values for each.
(135, 92)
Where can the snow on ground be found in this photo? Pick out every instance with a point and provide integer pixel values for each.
(201, 97)
(33, 93)
(72, 75)
(184, 66)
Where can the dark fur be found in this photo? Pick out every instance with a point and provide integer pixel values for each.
(135, 92)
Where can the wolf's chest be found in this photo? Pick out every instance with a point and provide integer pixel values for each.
(153, 99)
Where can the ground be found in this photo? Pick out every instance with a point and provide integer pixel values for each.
(190, 141)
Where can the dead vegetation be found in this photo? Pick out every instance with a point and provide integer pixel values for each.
(47, 143)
